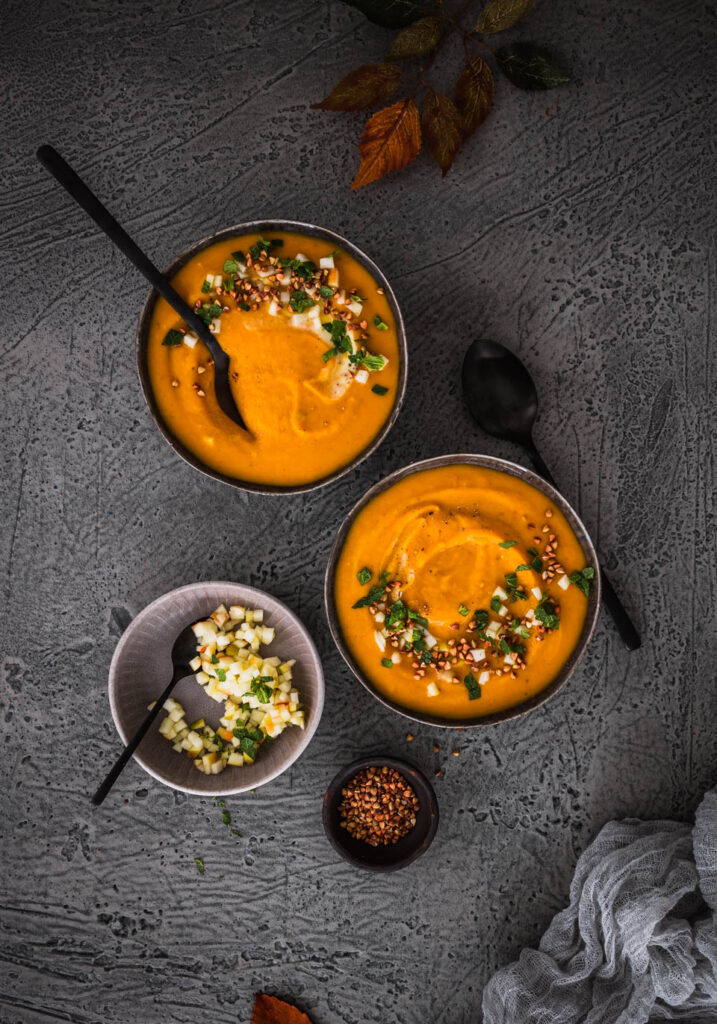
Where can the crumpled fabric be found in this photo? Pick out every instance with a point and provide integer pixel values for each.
(638, 941)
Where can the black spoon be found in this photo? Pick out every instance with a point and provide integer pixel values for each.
(502, 399)
(72, 183)
(185, 648)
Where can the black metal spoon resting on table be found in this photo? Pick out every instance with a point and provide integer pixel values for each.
(72, 183)
(502, 399)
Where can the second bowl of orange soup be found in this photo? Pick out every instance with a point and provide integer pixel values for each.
(462, 590)
(317, 355)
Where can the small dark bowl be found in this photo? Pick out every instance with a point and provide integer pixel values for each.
(268, 227)
(382, 858)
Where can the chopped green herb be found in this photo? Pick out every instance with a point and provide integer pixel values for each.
(215, 660)
(537, 564)
(244, 305)
(209, 311)
(364, 575)
(426, 657)
(386, 662)
(504, 646)
(481, 618)
(522, 567)
(545, 613)
(266, 679)
(374, 363)
(172, 338)
(230, 266)
(248, 746)
(226, 818)
(462, 610)
(261, 691)
(532, 551)
(379, 389)
(397, 613)
(206, 286)
(300, 301)
(511, 579)
(356, 298)
(325, 292)
(259, 247)
(471, 684)
(495, 604)
(507, 543)
(239, 255)
(200, 865)
(221, 675)
(380, 323)
(582, 579)
(375, 594)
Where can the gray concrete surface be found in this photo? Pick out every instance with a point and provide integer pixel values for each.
(584, 238)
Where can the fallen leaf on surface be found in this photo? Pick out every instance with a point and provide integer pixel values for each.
(369, 84)
(390, 140)
(270, 1010)
(441, 129)
(474, 94)
(498, 15)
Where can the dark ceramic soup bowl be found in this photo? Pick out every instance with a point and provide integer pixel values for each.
(552, 496)
(268, 227)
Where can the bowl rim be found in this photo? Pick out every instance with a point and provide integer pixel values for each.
(309, 729)
(254, 227)
(512, 469)
(412, 773)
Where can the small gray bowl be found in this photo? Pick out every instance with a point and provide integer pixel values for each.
(554, 497)
(142, 666)
(265, 227)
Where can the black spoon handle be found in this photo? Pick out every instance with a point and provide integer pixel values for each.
(118, 766)
(75, 186)
(625, 626)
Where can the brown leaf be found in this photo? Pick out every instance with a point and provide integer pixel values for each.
(390, 140)
(474, 94)
(498, 15)
(416, 40)
(369, 84)
(270, 1010)
(441, 129)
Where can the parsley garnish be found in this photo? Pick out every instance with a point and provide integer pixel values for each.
(300, 301)
(471, 684)
(230, 266)
(239, 255)
(545, 613)
(379, 389)
(221, 675)
(495, 604)
(373, 363)
(426, 657)
(261, 691)
(244, 305)
(397, 613)
(173, 338)
(507, 543)
(325, 292)
(380, 323)
(375, 594)
(481, 618)
(386, 662)
(462, 610)
(209, 311)
(206, 286)
(582, 579)
(200, 865)
(537, 564)
(364, 575)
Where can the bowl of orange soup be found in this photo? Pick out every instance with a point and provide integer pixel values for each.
(462, 590)
(317, 353)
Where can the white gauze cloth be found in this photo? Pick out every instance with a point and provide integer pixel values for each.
(638, 941)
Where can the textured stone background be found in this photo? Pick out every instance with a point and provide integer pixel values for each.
(584, 238)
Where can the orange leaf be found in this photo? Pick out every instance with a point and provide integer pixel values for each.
(390, 140)
(441, 129)
(369, 84)
(474, 94)
(270, 1010)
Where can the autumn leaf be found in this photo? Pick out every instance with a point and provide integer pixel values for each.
(531, 67)
(369, 84)
(417, 40)
(389, 13)
(270, 1010)
(390, 140)
(473, 95)
(441, 129)
(498, 15)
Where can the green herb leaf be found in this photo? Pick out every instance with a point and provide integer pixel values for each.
(300, 301)
(416, 40)
(374, 363)
(415, 617)
(481, 618)
(364, 575)
(426, 657)
(397, 613)
(537, 564)
(545, 613)
(226, 818)
(495, 603)
(504, 646)
(522, 567)
(379, 323)
(173, 338)
(206, 286)
(589, 572)
(239, 255)
(507, 543)
(375, 594)
(325, 292)
(531, 67)
(379, 389)
(462, 610)
(200, 865)
(230, 267)
(471, 684)
(386, 662)
(245, 306)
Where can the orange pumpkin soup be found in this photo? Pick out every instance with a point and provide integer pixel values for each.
(314, 358)
(461, 591)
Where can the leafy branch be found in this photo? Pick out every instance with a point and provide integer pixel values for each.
(393, 136)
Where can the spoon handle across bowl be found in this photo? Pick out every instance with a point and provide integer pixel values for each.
(75, 186)
(624, 624)
(119, 765)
